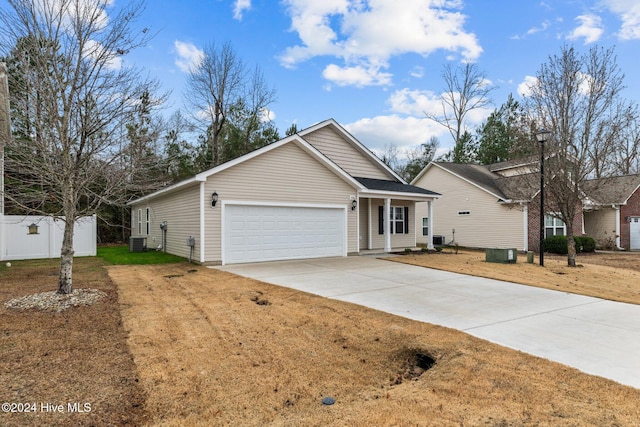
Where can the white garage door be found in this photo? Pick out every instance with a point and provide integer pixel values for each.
(268, 233)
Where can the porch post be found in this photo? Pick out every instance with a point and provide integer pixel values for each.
(370, 232)
(430, 225)
(387, 226)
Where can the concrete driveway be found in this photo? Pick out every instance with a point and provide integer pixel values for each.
(598, 337)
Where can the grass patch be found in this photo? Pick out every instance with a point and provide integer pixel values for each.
(120, 255)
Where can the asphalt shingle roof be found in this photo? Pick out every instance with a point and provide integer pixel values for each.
(615, 190)
(394, 186)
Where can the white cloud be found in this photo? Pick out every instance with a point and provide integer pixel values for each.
(239, 6)
(415, 102)
(417, 72)
(406, 133)
(189, 56)
(545, 24)
(524, 88)
(590, 29)
(629, 12)
(367, 33)
(95, 50)
(358, 76)
(267, 115)
(70, 11)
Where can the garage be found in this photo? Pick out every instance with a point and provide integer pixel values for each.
(253, 233)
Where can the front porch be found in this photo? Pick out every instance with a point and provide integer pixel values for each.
(388, 225)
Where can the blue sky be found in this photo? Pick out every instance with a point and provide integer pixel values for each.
(374, 65)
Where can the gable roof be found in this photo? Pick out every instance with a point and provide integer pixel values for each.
(357, 145)
(507, 189)
(614, 190)
(398, 187)
(295, 139)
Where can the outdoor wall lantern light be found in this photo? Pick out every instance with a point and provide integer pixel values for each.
(214, 199)
(542, 135)
(354, 204)
(33, 228)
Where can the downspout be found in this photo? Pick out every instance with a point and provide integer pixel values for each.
(617, 208)
(202, 223)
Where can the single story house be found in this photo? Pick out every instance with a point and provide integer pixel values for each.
(612, 213)
(317, 193)
(487, 206)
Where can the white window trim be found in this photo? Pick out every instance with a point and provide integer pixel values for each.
(425, 226)
(555, 226)
(393, 221)
(139, 222)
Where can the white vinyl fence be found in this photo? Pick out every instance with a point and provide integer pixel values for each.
(16, 243)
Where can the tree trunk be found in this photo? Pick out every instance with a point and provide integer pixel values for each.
(571, 250)
(65, 282)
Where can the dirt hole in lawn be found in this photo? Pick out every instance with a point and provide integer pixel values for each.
(259, 300)
(413, 363)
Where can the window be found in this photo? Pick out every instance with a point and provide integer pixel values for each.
(139, 222)
(554, 226)
(397, 220)
(425, 226)
(148, 222)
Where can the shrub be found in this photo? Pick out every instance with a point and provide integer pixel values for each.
(585, 244)
(558, 244)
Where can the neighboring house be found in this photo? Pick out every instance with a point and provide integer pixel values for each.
(486, 206)
(317, 193)
(612, 213)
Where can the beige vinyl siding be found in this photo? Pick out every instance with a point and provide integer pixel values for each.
(398, 241)
(283, 175)
(344, 154)
(517, 170)
(422, 211)
(181, 211)
(489, 224)
(601, 225)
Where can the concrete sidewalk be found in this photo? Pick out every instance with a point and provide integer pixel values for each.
(598, 337)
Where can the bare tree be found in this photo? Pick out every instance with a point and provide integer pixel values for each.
(75, 97)
(627, 149)
(389, 156)
(466, 89)
(577, 97)
(213, 87)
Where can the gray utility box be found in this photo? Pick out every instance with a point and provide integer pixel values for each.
(504, 256)
(137, 244)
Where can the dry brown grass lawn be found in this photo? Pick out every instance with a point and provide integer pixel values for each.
(178, 345)
(613, 276)
(79, 355)
(213, 348)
